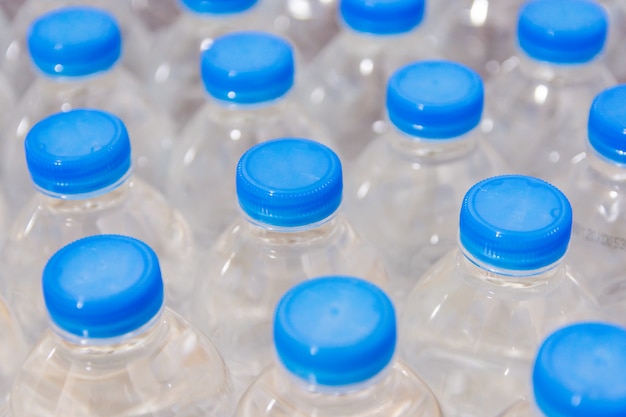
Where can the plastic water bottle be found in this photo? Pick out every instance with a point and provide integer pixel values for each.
(309, 24)
(113, 348)
(344, 87)
(335, 339)
(472, 325)
(617, 33)
(17, 62)
(80, 164)
(404, 191)
(579, 371)
(76, 51)
(12, 352)
(291, 229)
(175, 75)
(595, 189)
(477, 33)
(539, 103)
(248, 76)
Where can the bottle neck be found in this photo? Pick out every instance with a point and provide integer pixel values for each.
(551, 73)
(536, 280)
(433, 150)
(604, 171)
(293, 236)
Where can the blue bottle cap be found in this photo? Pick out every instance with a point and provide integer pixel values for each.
(248, 67)
(335, 331)
(103, 286)
(289, 182)
(77, 152)
(516, 223)
(218, 6)
(562, 31)
(382, 17)
(580, 372)
(607, 124)
(74, 41)
(435, 99)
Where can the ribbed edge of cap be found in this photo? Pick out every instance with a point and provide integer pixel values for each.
(218, 6)
(579, 372)
(103, 286)
(562, 31)
(515, 222)
(435, 99)
(74, 41)
(77, 152)
(335, 331)
(289, 182)
(607, 124)
(382, 17)
(248, 67)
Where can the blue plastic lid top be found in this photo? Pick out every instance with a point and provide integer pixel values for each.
(579, 372)
(515, 222)
(218, 6)
(74, 41)
(77, 152)
(435, 99)
(248, 67)
(103, 286)
(382, 17)
(335, 331)
(289, 182)
(607, 124)
(562, 31)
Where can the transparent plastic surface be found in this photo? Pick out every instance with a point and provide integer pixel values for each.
(309, 24)
(472, 334)
(617, 33)
(12, 352)
(115, 91)
(175, 64)
(595, 189)
(171, 369)
(203, 165)
(396, 392)
(251, 266)
(477, 33)
(46, 224)
(523, 408)
(537, 111)
(17, 63)
(344, 87)
(404, 194)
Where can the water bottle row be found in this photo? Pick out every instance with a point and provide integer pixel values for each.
(239, 90)
(331, 346)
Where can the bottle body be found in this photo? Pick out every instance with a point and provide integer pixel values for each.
(398, 391)
(46, 224)
(594, 188)
(250, 267)
(472, 334)
(414, 189)
(550, 104)
(170, 370)
(205, 160)
(345, 85)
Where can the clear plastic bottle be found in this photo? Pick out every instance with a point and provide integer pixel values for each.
(578, 372)
(477, 33)
(595, 188)
(76, 51)
(12, 352)
(344, 87)
(405, 190)
(175, 75)
(113, 348)
(538, 105)
(617, 33)
(309, 24)
(335, 339)
(248, 76)
(80, 164)
(291, 229)
(472, 325)
(17, 62)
